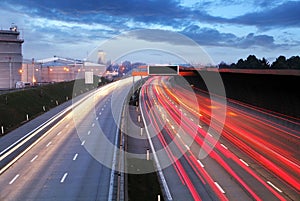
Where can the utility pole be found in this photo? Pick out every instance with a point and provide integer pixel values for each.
(10, 77)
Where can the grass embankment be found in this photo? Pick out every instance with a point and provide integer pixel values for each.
(15, 106)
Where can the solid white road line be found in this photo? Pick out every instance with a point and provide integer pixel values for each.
(219, 187)
(275, 187)
(14, 179)
(64, 177)
(75, 157)
(33, 159)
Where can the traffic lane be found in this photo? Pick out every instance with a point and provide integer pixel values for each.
(281, 151)
(177, 187)
(35, 167)
(267, 178)
(270, 134)
(189, 178)
(233, 189)
(262, 193)
(46, 178)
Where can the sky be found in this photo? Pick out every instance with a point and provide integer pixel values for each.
(225, 30)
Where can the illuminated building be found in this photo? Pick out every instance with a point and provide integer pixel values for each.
(10, 57)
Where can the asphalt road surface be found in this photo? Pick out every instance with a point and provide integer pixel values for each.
(249, 157)
(73, 159)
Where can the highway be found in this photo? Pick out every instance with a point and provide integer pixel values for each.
(249, 157)
(200, 155)
(73, 159)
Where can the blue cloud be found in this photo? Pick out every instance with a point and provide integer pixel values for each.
(76, 20)
(212, 37)
(98, 11)
(167, 12)
(286, 14)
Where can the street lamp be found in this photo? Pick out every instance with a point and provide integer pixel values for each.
(10, 73)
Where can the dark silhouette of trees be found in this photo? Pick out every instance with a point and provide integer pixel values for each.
(264, 63)
(293, 62)
(280, 63)
(254, 63)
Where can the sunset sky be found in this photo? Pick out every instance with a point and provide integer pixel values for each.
(226, 30)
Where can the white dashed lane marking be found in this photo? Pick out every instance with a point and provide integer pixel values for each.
(244, 162)
(200, 163)
(64, 177)
(219, 187)
(14, 179)
(33, 159)
(75, 157)
(49, 144)
(224, 146)
(275, 187)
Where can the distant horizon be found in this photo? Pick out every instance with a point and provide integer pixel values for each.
(149, 63)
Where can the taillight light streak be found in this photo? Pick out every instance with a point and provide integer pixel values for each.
(168, 106)
(275, 159)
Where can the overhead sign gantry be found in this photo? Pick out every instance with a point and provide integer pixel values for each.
(163, 70)
(156, 70)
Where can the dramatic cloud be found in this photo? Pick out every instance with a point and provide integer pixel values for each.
(242, 25)
(207, 36)
(286, 14)
(107, 11)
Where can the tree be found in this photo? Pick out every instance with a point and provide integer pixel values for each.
(223, 65)
(293, 62)
(252, 62)
(240, 64)
(264, 63)
(280, 63)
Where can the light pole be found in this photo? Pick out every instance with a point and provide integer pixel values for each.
(10, 85)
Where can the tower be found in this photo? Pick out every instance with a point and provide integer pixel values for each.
(101, 57)
(10, 57)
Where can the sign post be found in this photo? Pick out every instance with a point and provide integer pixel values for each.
(89, 79)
